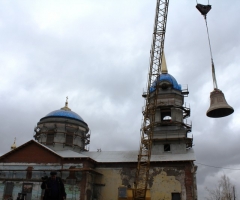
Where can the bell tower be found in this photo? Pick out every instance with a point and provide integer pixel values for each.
(170, 134)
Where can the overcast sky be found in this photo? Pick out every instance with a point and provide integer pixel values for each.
(97, 53)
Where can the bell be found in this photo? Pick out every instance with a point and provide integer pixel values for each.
(218, 106)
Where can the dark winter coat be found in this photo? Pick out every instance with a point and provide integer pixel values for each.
(54, 190)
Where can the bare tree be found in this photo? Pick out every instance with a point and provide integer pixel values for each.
(225, 190)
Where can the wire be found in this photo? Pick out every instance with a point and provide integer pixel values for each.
(213, 68)
(205, 17)
(216, 166)
(197, 2)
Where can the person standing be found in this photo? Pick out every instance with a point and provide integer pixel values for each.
(54, 188)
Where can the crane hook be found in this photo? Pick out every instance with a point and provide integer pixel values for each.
(203, 9)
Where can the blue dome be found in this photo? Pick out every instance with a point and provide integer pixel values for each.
(169, 78)
(64, 113)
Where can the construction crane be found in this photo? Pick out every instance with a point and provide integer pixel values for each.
(163, 100)
(148, 125)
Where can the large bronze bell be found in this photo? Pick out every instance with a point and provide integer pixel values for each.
(218, 106)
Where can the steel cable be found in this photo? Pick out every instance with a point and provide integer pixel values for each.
(210, 48)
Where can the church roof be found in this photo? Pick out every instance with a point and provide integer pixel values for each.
(70, 154)
(106, 156)
(65, 114)
(131, 156)
(166, 77)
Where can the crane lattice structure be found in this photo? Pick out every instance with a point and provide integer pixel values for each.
(156, 54)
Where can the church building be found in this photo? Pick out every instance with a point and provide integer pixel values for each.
(61, 143)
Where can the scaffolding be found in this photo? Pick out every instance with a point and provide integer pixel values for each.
(69, 132)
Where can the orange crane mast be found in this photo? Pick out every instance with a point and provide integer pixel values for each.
(148, 125)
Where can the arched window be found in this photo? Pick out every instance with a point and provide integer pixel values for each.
(166, 114)
(69, 139)
(50, 137)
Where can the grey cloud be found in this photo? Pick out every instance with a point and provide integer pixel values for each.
(100, 60)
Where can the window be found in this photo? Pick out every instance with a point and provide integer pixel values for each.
(167, 147)
(166, 115)
(122, 192)
(176, 196)
(69, 139)
(27, 188)
(50, 138)
(164, 86)
(8, 189)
